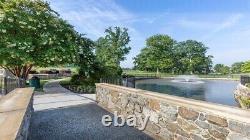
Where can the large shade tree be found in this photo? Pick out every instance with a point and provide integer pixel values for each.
(112, 48)
(32, 34)
(157, 55)
(164, 54)
(191, 55)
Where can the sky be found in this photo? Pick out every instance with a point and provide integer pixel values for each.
(222, 25)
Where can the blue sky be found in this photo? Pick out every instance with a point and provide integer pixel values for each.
(222, 25)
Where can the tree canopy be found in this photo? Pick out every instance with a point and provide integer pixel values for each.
(164, 53)
(157, 55)
(112, 48)
(222, 69)
(237, 67)
(32, 34)
(246, 67)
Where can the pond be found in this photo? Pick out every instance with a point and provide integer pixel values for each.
(216, 91)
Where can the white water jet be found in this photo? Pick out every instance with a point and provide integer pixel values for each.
(191, 79)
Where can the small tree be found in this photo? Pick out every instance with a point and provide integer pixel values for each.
(32, 34)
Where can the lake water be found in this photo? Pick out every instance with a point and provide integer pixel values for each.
(216, 91)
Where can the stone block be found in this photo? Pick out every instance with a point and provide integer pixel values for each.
(166, 135)
(182, 133)
(217, 134)
(195, 137)
(238, 127)
(154, 104)
(153, 128)
(217, 120)
(202, 124)
(188, 114)
(188, 126)
(235, 136)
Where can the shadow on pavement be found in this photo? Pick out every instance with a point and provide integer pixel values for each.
(81, 122)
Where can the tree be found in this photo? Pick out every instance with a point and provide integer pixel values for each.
(32, 34)
(222, 69)
(191, 55)
(111, 49)
(236, 67)
(246, 67)
(165, 54)
(157, 55)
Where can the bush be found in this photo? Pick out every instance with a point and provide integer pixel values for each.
(246, 102)
(248, 85)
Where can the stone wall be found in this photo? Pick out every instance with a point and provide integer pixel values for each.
(242, 96)
(16, 109)
(175, 117)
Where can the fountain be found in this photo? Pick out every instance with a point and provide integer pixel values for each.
(192, 79)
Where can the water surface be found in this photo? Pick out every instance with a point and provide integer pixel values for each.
(216, 91)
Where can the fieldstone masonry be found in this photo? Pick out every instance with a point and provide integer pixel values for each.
(175, 117)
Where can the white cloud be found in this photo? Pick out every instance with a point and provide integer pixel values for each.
(93, 17)
(226, 24)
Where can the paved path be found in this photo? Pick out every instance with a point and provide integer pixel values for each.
(56, 96)
(63, 115)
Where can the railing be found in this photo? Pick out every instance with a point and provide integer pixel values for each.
(127, 81)
(7, 84)
(244, 79)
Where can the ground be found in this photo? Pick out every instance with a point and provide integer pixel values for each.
(63, 115)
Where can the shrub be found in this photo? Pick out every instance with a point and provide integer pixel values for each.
(245, 102)
(248, 85)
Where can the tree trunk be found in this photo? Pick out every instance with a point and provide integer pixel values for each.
(21, 73)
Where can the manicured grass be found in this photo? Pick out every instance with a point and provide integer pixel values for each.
(212, 75)
(65, 81)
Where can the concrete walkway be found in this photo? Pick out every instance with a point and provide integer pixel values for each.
(63, 115)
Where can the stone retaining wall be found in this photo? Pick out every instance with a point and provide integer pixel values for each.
(242, 95)
(174, 117)
(15, 113)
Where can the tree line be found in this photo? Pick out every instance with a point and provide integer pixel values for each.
(236, 68)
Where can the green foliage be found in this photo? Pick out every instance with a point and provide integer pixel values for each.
(191, 57)
(111, 50)
(247, 85)
(165, 54)
(83, 87)
(236, 67)
(245, 102)
(222, 69)
(246, 67)
(32, 34)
